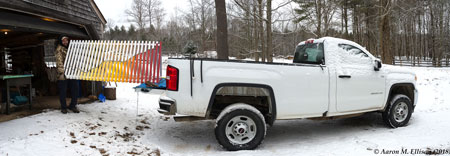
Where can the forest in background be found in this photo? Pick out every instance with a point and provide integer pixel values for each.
(410, 32)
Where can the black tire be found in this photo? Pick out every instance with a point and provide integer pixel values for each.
(221, 126)
(390, 117)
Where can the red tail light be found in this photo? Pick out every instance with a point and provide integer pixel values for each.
(172, 78)
(309, 41)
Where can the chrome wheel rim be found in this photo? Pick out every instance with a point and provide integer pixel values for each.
(240, 130)
(401, 112)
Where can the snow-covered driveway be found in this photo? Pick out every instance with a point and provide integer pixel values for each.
(112, 128)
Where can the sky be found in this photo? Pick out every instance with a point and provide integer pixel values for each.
(115, 9)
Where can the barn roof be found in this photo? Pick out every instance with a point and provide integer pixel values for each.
(80, 18)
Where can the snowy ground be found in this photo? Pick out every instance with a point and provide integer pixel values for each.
(113, 128)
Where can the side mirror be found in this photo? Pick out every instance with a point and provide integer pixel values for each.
(377, 65)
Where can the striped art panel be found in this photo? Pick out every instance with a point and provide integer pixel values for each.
(114, 61)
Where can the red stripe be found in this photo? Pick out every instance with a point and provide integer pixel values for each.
(153, 63)
(144, 76)
(156, 61)
(152, 67)
(159, 62)
(146, 64)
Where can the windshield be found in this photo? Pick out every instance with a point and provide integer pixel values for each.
(311, 53)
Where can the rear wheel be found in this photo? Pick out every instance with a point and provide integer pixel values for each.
(240, 127)
(398, 112)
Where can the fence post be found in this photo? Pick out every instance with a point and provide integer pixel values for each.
(446, 58)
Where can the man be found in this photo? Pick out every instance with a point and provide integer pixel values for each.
(61, 52)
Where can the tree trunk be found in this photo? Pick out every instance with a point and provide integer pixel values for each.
(433, 38)
(261, 30)
(150, 13)
(385, 37)
(269, 50)
(222, 31)
(319, 17)
(255, 33)
(355, 23)
(346, 19)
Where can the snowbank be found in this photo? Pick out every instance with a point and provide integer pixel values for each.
(114, 128)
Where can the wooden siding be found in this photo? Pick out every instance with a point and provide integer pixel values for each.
(80, 12)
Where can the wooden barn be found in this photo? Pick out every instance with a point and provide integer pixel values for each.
(28, 36)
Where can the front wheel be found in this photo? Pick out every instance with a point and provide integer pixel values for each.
(240, 127)
(398, 112)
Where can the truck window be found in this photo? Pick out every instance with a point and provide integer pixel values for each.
(352, 50)
(311, 53)
(354, 55)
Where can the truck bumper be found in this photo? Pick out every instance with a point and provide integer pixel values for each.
(167, 106)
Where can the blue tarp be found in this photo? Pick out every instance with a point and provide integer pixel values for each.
(160, 85)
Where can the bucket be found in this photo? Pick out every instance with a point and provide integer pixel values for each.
(110, 92)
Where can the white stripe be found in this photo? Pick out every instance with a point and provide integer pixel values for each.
(66, 59)
(98, 59)
(79, 59)
(67, 63)
(86, 59)
(91, 60)
(105, 60)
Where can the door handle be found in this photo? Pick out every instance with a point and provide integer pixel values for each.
(345, 76)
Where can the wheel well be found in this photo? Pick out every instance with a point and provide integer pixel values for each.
(259, 96)
(403, 88)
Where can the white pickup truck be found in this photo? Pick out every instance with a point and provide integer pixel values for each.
(328, 78)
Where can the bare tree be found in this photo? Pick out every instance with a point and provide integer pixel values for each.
(259, 28)
(318, 13)
(154, 13)
(111, 23)
(201, 20)
(222, 30)
(137, 13)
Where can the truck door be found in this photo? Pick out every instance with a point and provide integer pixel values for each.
(359, 86)
(305, 87)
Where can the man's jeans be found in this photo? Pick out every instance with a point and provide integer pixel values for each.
(62, 87)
